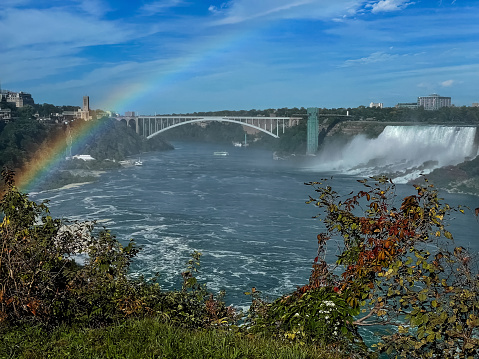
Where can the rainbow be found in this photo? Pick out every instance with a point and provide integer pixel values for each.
(49, 157)
(200, 57)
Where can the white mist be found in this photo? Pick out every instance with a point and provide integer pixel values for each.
(402, 152)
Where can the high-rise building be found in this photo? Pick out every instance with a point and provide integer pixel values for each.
(433, 102)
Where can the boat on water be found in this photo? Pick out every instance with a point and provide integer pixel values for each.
(138, 163)
(221, 153)
(241, 144)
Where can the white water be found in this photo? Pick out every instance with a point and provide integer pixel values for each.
(402, 152)
(245, 212)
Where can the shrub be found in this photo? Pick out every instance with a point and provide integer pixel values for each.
(40, 281)
(400, 268)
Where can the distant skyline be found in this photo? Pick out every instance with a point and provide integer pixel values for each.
(178, 56)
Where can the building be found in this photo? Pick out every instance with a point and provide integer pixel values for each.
(5, 114)
(377, 105)
(433, 102)
(84, 112)
(475, 104)
(86, 103)
(20, 99)
(407, 105)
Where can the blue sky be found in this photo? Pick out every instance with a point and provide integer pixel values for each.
(177, 56)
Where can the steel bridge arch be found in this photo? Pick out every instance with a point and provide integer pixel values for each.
(203, 119)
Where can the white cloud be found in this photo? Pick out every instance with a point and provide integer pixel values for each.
(28, 64)
(448, 83)
(218, 9)
(237, 11)
(373, 58)
(93, 7)
(39, 43)
(160, 6)
(28, 27)
(389, 5)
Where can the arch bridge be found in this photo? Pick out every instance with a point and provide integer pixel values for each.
(150, 126)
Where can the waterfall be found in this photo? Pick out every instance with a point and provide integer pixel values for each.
(401, 152)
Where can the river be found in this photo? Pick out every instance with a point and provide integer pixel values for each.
(245, 212)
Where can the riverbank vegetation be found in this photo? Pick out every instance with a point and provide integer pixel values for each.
(66, 289)
(446, 115)
(26, 143)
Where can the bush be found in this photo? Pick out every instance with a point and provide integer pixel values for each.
(400, 269)
(316, 315)
(41, 282)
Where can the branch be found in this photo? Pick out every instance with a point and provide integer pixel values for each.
(361, 321)
(370, 314)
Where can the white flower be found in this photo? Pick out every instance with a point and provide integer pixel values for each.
(329, 303)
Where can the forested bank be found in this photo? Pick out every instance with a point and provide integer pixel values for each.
(445, 115)
(26, 142)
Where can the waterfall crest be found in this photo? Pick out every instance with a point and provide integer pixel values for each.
(401, 152)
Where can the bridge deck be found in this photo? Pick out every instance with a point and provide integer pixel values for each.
(150, 126)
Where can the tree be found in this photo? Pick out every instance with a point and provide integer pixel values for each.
(18, 139)
(398, 266)
(41, 281)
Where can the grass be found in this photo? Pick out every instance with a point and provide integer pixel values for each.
(149, 338)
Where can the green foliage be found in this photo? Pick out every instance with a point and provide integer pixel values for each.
(24, 140)
(151, 338)
(293, 140)
(399, 267)
(213, 132)
(445, 115)
(115, 141)
(46, 109)
(18, 139)
(41, 281)
(317, 315)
